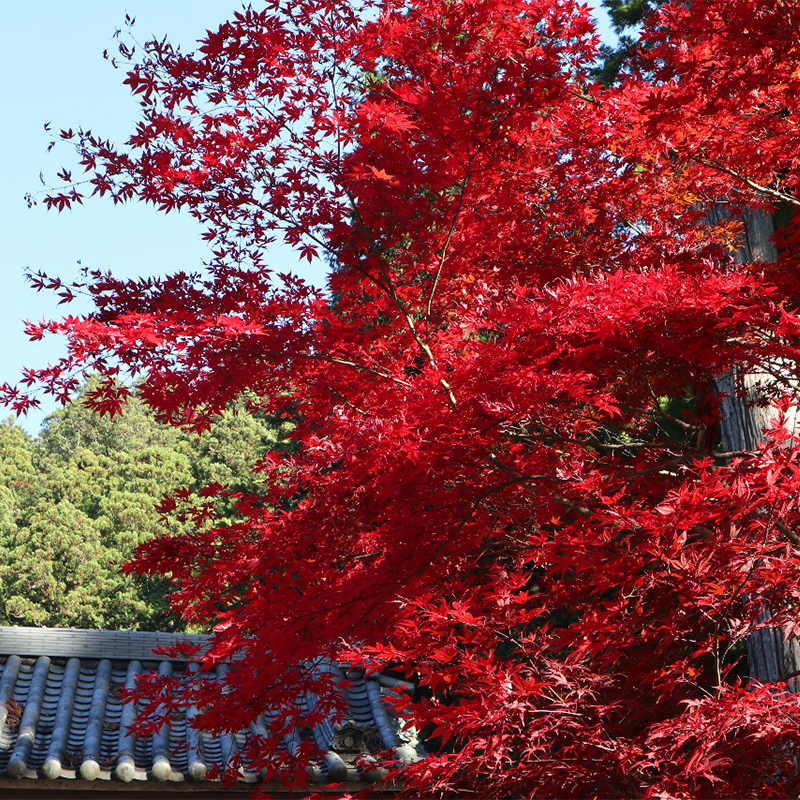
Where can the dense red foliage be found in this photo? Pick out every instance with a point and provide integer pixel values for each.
(510, 485)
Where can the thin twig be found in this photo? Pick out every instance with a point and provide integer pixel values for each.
(750, 182)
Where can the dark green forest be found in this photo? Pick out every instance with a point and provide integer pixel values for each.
(76, 500)
(626, 17)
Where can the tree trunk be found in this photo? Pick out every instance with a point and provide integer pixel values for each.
(770, 655)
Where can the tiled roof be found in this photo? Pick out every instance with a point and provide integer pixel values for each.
(61, 715)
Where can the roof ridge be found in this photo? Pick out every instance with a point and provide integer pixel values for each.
(85, 643)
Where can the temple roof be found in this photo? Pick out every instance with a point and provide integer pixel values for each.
(62, 720)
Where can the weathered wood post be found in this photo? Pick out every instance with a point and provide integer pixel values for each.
(770, 655)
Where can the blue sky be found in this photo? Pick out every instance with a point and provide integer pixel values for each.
(53, 71)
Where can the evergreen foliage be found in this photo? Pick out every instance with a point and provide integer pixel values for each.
(626, 17)
(77, 500)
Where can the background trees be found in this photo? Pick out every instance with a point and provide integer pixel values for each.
(79, 498)
(508, 482)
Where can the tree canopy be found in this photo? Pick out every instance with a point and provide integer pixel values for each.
(76, 501)
(507, 482)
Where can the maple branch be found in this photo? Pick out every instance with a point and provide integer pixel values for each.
(528, 479)
(759, 513)
(706, 534)
(585, 97)
(576, 507)
(446, 246)
(409, 319)
(355, 408)
(429, 353)
(659, 411)
(364, 368)
(389, 287)
(787, 677)
(620, 446)
(787, 198)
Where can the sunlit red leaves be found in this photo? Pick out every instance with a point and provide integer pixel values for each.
(505, 485)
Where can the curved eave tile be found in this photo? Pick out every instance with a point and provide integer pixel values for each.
(62, 719)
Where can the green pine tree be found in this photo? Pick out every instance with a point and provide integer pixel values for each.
(626, 18)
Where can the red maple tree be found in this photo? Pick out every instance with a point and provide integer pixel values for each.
(509, 485)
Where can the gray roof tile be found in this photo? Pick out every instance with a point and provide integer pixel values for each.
(67, 642)
(62, 717)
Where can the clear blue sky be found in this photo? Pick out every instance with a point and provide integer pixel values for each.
(53, 71)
